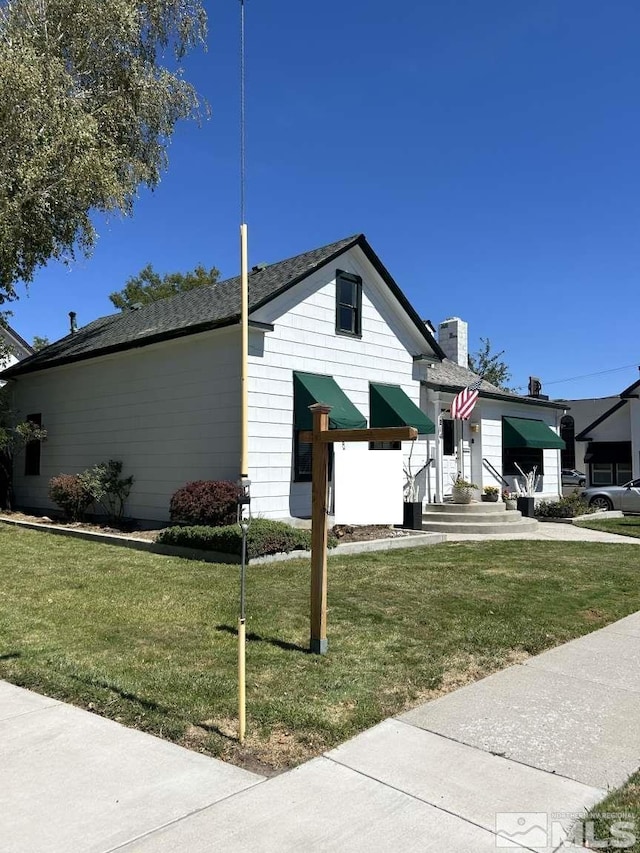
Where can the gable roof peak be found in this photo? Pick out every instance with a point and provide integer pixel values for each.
(201, 309)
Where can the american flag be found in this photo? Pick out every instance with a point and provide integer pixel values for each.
(464, 402)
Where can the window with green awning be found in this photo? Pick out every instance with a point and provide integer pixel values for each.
(526, 432)
(309, 388)
(390, 406)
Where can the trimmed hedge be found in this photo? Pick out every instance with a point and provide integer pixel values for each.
(209, 502)
(264, 537)
(567, 507)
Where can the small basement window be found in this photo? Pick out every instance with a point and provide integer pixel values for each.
(32, 450)
(301, 459)
(348, 304)
(385, 445)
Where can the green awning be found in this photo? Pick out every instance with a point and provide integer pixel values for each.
(608, 451)
(523, 432)
(391, 407)
(309, 388)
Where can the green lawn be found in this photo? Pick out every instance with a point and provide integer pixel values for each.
(628, 526)
(150, 640)
(623, 805)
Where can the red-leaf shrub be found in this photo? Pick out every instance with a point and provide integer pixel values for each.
(71, 495)
(210, 502)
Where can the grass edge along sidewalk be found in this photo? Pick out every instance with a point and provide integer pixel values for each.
(627, 526)
(150, 640)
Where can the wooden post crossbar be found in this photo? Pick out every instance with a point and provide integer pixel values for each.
(321, 437)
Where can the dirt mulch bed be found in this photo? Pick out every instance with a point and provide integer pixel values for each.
(367, 532)
(128, 533)
(342, 532)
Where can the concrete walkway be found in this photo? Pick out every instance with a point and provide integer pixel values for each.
(525, 751)
(549, 532)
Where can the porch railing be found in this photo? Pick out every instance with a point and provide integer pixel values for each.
(490, 468)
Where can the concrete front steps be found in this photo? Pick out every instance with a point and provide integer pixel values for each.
(475, 518)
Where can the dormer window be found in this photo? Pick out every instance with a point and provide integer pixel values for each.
(348, 304)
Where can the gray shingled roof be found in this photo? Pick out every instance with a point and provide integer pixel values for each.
(186, 313)
(449, 376)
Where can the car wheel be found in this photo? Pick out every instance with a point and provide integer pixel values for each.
(600, 502)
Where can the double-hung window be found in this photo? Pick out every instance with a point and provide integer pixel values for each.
(32, 449)
(348, 304)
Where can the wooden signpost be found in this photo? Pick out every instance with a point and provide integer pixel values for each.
(321, 437)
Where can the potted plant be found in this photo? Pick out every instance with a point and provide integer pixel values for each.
(412, 506)
(526, 491)
(462, 492)
(510, 500)
(490, 494)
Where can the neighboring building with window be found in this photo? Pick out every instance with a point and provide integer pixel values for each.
(13, 348)
(607, 437)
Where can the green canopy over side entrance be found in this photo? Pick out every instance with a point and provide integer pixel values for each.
(391, 407)
(523, 432)
(309, 388)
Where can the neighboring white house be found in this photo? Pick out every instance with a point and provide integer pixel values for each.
(603, 437)
(158, 388)
(14, 348)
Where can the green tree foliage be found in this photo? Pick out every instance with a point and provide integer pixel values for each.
(490, 366)
(40, 342)
(148, 286)
(86, 110)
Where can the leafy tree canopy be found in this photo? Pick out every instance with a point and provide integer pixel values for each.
(148, 286)
(490, 366)
(86, 110)
(40, 342)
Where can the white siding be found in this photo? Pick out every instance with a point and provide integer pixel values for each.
(304, 339)
(614, 428)
(489, 439)
(169, 412)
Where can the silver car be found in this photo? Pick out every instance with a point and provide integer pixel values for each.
(571, 477)
(625, 498)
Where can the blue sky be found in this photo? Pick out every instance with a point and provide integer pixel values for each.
(488, 150)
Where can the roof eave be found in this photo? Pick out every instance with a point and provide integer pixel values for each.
(489, 395)
(388, 279)
(22, 368)
(582, 435)
(361, 241)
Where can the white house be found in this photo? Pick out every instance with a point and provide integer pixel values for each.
(504, 429)
(603, 434)
(158, 388)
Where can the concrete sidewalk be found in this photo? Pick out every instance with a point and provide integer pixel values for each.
(546, 738)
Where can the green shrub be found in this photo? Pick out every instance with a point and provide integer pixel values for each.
(209, 502)
(69, 492)
(567, 507)
(107, 487)
(264, 537)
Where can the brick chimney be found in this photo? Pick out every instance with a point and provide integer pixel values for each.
(453, 337)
